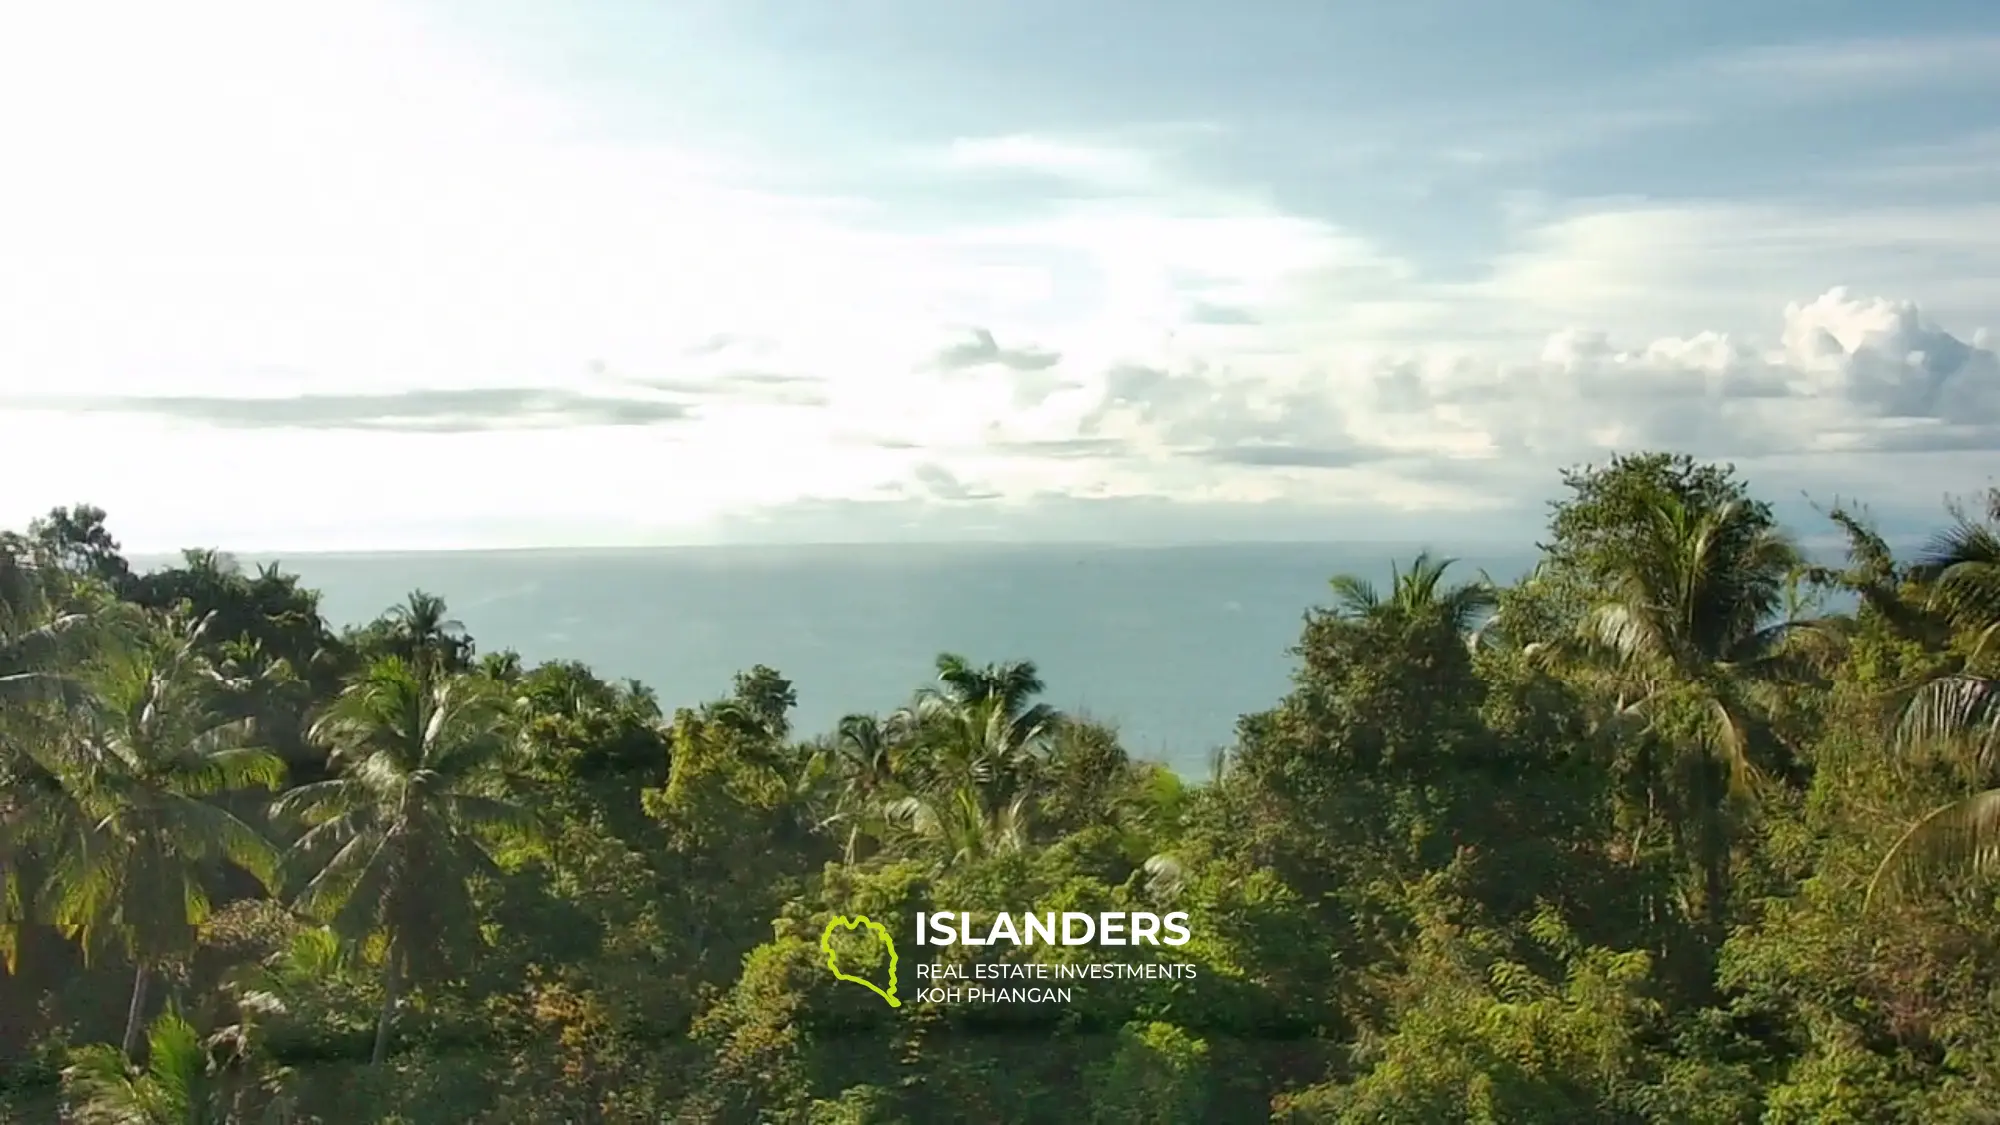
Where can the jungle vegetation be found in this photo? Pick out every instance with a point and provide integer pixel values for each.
(1681, 828)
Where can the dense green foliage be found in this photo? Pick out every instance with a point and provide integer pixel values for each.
(1650, 836)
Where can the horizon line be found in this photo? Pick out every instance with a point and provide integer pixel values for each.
(1458, 549)
(176, 554)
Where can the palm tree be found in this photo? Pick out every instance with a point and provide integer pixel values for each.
(130, 859)
(423, 635)
(175, 1089)
(37, 811)
(1696, 605)
(305, 995)
(1961, 570)
(641, 698)
(864, 756)
(1958, 714)
(501, 667)
(961, 823)
(42, 642)
(39, 648)
(1873, 576)
(210, 563)
(1684, 635)
(980, 726)
(183, 1083)
(417, 810)
(1418, 592)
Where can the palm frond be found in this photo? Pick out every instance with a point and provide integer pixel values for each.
(1955, 714)
(1354, 595)
(320, 801)
(206, 831)
(1961, 568)
(1954, 841)
(176, 1086)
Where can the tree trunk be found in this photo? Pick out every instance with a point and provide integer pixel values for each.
(1715, 885)
(1714, 841)
(135, 1012)
(391, 980)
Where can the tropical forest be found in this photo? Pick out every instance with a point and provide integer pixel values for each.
(1691, 824)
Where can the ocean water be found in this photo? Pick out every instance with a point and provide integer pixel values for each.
(1170, 644)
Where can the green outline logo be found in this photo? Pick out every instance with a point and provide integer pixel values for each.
(833, 959)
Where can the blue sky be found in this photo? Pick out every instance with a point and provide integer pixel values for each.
(621, 272)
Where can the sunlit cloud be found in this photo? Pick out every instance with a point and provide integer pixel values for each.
(363, 244)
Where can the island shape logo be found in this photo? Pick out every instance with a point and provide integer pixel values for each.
(833, 958)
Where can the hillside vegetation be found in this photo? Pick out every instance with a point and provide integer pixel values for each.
(1650, 836)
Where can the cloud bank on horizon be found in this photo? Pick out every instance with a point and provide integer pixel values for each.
(409, 274)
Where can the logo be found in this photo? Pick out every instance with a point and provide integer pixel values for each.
(1098, 929)
(833, 958)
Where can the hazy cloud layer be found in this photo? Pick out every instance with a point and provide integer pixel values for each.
(761, 387)
(433, 411)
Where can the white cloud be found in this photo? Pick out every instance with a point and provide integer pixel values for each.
(1837, 383)
(310, 233)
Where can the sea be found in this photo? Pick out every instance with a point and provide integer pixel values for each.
(1168, 644)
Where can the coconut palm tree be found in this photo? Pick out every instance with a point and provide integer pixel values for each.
(1695, 606)
(424, 636)
(43, 642)
(979, 727)
(1419, 591)
(131, 855)
(1956, 715)
(960, 824)
(863, 762)
(39, 645)
(1686, 636)
(502, 667)
(417, 809)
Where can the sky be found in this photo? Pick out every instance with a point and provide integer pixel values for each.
(417, 274)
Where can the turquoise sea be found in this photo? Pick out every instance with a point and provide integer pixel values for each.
(1169, 643)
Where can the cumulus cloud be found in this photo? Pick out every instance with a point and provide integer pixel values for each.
(1844, 375)
(427, 411)
(1841, 395)
(1229, 417)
